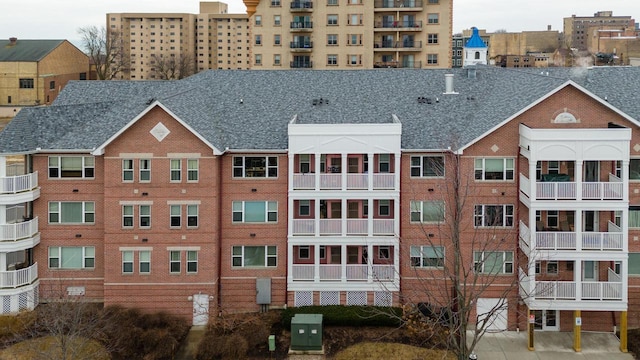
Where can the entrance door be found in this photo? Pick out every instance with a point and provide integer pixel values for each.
(495, 310)
(589, 271)
(590, 221)
(200, 309)
(547, 320)
(591, 171)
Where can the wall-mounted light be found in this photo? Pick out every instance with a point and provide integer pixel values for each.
(78, 235)
(254, 190)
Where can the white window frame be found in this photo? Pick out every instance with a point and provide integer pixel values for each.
(193, 168)
(127, 170)
(88, 212)
(422, 164)
(144, 257)
(304, 248)
(479, 262)
(173, 261)
(239, 208)
(175, 172)
(238, 252)
(175, 213)
(508, 169)
(417, 210)
(304, 207)
(144, 170)
(193, 211)
(87, 167)
(240, 166)
(88, 260)
(384, 203)
(427, 256)
(127, 214)
(192, 261)
(127, 261)
(481, 221)
(144, 215)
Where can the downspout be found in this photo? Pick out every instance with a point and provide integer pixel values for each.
(219, 234)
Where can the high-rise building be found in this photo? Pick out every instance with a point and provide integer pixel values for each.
(577, 29)
(175, 45)
(350, 34)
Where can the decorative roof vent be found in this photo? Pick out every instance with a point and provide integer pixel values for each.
(448, 83)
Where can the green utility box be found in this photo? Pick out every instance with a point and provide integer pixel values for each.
(306, 332)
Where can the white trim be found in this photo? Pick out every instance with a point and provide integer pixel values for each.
(135, 155)
(100, 149)
(546, 96)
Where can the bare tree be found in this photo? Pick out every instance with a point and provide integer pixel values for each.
(173, 67)
(105, 50)
(480, 263)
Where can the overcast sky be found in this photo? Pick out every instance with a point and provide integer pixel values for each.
(60, 19)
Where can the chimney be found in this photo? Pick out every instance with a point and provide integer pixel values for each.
(448, 83)
(548, 27)
(13, 40)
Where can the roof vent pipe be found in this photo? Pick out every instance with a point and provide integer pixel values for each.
(448, 83)
(13, 40)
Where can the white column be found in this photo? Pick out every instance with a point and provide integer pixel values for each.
(577, 277)
(290, 215)
(369, 216)
(533, 182)
(343, 171)
(624, 175)
(3, 167)
(316, 262)
(397, 166)
(370, 171)
(577, 226)
(3, 261)
(291, 170)
(370, 263)
(578, 177)
(343, 263)
(343, 217)
(316, 160)
(316, 217)
(289, 262)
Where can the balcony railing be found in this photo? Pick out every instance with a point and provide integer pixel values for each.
(17, 184)
(569, 240)
(301, 65)
(566, 290)
(389, 4)
(354, 227)
(301, 5)
(17, 278)
(397, 45)
(398, 64)
(381, 181)
(352, 273)
(301, 45)
(413, 25)
(301, 25)
(611, 190)
(17, 231)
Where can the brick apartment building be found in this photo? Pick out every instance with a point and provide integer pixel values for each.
(329, 187)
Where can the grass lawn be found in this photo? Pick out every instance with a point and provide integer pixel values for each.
(46, 348)
(385, 351)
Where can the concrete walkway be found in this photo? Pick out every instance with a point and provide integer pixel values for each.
(511, 345)
(189, 346)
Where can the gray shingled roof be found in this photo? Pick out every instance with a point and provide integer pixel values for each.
(251, 109)
(27, 50)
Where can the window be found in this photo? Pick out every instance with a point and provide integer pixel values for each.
(255, 211)
(427, 256)
(384, 163)
(145, 216)
(634, 217)
(384, 208)
(72, 257)
(276, 20)
(174, 262)
(303, 252)
(145, 170)
(192, 215)
(71, 212)
(332, 59)
(258, 20)
(175, 216)
(432, 18)
(176, 170)
(276, 60)
(255, 166)
(277, 40)
(354, 39)
(332, 2)
(192, 261)
(332, 19)
(634, 169)
(355, 59)
(384, 252)
(71, 167)
(427, 211)
(127, 262)
(304, 207)
(354, 19)
(127, 170)
(127, 216)
(254, 256)
(332, 39)
(494, 169)
(432, 38)
(275, 3)
(493, 215)
(52, 85)
(552, 218)
(552, 267)
(258, 40)
(258, 59)
(493, 262)
(634, 263)
(427, 166)
(144, 261)
(26, 83)
(432, 59)
(434, 1)
(192, 170)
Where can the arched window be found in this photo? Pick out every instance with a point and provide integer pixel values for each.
(477, 55)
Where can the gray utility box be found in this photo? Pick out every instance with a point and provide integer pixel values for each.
(306, 332)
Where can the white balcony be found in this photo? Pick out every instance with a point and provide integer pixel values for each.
(333, 227)
(612, 240)
(17, 189)
(19, 231)
(606, 191)
(566, 290)
(333, 181)
(343, 273)
(17, 278)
